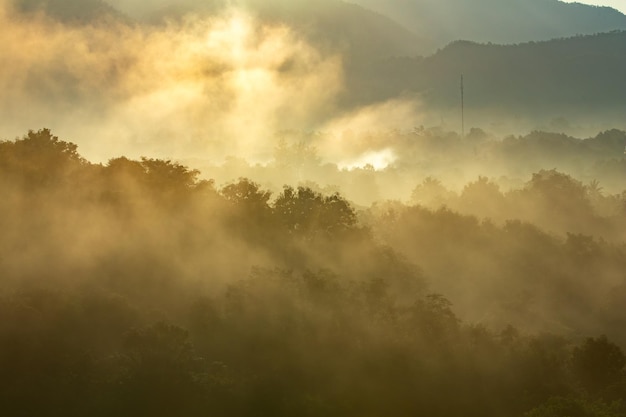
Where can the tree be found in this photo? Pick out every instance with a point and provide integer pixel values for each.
(598, 364)
(299, 157)
(431, 193)
(169, 175)
(246, 193)
(575, 407)
(249, 208)
(482, 198)
(39, 159)
(558, 190)
(307, 212)
(161, 369)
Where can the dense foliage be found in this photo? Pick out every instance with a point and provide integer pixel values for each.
(134, 288)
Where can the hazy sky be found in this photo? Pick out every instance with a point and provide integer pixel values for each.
(134, 4)
(616, 4)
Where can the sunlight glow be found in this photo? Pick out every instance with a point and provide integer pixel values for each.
(231, 35)
(378, 160)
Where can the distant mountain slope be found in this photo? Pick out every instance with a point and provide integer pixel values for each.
(361, 32)
(329, 24)
(332, 25)
(70, 11)
(498, 21)
(562, 77)
(584, 73)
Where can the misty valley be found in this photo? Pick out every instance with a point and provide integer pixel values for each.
(331, 208)
(135, 287)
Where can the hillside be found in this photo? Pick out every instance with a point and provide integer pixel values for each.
(583, 74)
(360, 32)
(578, 80)
(134, 288)
(498, 21)
(331, 25)
(278, 208)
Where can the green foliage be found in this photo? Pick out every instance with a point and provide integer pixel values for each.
(598, 364)
(39, 159)
(135, 288)
(304, 211)
(247, 193)
(431, 193)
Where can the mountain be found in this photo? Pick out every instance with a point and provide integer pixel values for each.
(498, 21)
(569, 77)
(70, 11)
(361, 33)
(582, 75)
(331, 25)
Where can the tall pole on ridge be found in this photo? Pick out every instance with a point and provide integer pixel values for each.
(462, 108)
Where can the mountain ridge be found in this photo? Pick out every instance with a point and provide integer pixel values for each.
(509, 21)
(576, 77)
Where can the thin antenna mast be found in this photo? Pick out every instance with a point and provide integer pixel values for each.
(462, 108)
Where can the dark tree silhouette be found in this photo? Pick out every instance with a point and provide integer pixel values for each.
(598, 364)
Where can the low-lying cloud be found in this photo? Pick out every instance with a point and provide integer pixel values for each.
(202, 86)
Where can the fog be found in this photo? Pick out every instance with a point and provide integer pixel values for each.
(191, 87)
(135, 277)
(200, 214)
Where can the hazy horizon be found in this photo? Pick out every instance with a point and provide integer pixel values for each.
(616, 4)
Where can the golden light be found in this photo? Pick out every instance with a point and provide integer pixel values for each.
(231, 37)
(378, 160)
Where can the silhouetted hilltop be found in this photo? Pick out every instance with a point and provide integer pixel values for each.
(584, 73)
(358, 31)
(577, 80)
(501, 21)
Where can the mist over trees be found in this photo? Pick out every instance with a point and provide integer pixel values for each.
(135, 287)
(572, 76)
(265, 208)
(390, 164)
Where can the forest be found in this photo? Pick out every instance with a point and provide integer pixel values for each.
(275, 208)
(140, 287)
